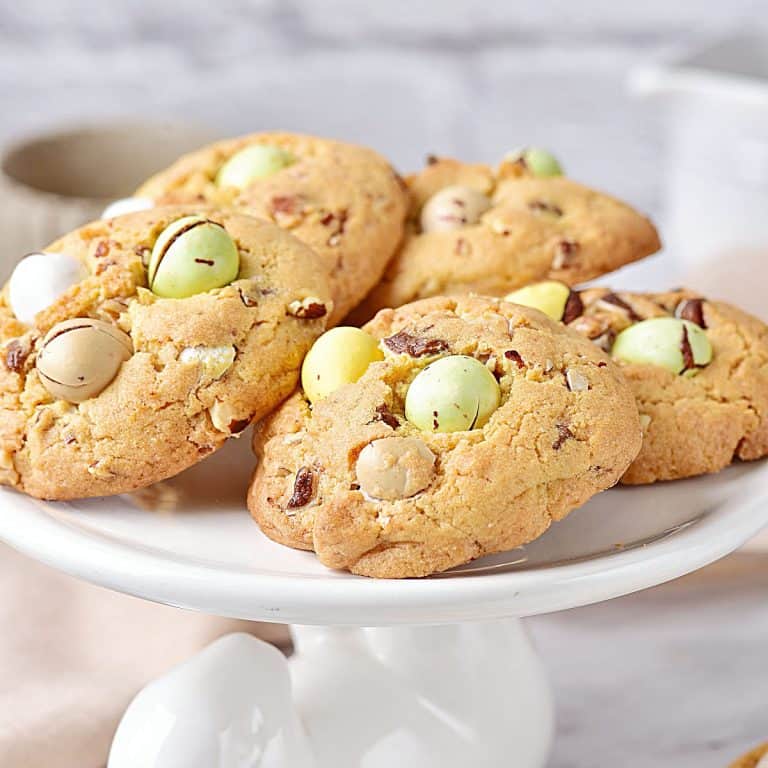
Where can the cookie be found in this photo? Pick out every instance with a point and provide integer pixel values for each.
(345, 201)
(474, 425)
(473, 229)
(158, 336)
(757, 758)
(698, 369)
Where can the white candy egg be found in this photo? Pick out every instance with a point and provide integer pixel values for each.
(127, 205)
(39, 279)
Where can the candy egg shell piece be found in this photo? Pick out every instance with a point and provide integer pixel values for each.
(340, 356)
(252, 163)
(39, 279)
(660, 341)
(80, 357)
(538, 161)
(453, 208)
(127, 205)
(395, 468)
(192, 255)
(548, 296)
(453, 394)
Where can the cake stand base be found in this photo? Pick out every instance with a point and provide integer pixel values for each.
(412, 697)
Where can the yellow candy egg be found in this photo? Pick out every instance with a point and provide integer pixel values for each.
(548, 296)
(340, 356)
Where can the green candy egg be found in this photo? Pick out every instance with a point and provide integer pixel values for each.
(538, 161)
(453, 394)
(191, 256)
(662, 341)
(252, 163)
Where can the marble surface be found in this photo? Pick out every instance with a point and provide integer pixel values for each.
(674, 676)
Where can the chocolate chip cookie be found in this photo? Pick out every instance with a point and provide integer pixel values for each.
(151, 339)
(467, 430)
(475, 229)
(345, 201)
(698, 368)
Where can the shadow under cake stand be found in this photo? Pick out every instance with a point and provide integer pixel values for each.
(406, 673)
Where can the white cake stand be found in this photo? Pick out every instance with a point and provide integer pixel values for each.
(444, 674)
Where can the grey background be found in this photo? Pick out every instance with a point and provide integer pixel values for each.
(667, 678)
(405, 76)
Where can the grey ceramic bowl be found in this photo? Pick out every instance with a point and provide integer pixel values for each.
(52, 183)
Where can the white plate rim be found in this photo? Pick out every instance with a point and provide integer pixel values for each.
(32, 527)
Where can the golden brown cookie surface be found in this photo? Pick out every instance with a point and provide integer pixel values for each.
(533, 228)
(751, 759)
(344, 201)
(369, 491)
(195, 372)
(703, 420)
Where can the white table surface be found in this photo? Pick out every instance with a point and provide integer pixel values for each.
(674, 676)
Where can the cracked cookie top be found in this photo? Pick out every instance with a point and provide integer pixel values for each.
(475, 229)
(479, 423)
(111, 387)
(343, 200)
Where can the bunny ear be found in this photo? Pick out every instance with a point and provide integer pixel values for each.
(228, 706)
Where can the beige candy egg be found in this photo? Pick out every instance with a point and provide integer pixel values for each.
(453, 208)
(80, 357)
(395, 468)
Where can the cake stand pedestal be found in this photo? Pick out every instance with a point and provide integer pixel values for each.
(408, 673)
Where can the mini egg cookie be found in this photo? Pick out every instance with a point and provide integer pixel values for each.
(698, 368)
(465, 427)
(345, 201)
(757, 758)
(132, 348)
(473, 229)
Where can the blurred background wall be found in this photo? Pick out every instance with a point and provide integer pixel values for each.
(406, 76)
